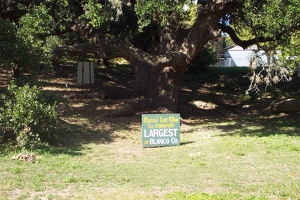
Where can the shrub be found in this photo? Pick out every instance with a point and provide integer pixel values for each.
(27, 115)
(207, 57)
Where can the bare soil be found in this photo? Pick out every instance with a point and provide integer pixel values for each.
(202, 98)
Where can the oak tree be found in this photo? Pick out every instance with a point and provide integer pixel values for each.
(161, 38)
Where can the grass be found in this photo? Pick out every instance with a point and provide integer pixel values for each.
(215, 161)
(246, 157)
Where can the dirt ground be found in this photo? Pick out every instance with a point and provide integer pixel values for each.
(201, 99)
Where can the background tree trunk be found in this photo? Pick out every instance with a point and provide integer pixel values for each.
(164, 87)
(142, 78)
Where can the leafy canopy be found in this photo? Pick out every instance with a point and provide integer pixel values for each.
(42, 27)
(161, 12)
(268, 18)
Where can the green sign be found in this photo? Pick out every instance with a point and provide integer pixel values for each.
(160, 130)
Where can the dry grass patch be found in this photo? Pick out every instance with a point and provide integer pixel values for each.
(221, 156)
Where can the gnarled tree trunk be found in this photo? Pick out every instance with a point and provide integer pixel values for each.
(160, 84)
(142, 73)
(158, 75)
(164, 87)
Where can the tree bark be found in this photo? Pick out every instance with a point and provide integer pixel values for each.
(158, 76)
(164, 87)
(142, 78)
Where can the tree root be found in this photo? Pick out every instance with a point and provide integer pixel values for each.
(129, 108)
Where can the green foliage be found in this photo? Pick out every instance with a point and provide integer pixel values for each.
(29, 42)
(14, 48)
(28, 115)
(101, 13)
(36, 22)
(291, 52)
(207, 57)
(268, 18)
(35, 30)
(8, 40)
(92, 10)
(192, 15)
(161, 12)
(262, 19)
(294, 48)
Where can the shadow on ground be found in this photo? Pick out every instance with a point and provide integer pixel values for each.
(218, 100)
(285, 125)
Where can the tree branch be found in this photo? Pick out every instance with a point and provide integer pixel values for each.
(104, 46)
(10, 10)
(246, 43)
(109, 48)
(243, 43)
(206, 27)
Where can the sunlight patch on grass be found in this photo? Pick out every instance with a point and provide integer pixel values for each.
(199, 196)
(253, 128)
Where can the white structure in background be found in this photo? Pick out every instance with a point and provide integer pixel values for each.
(236, 56)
